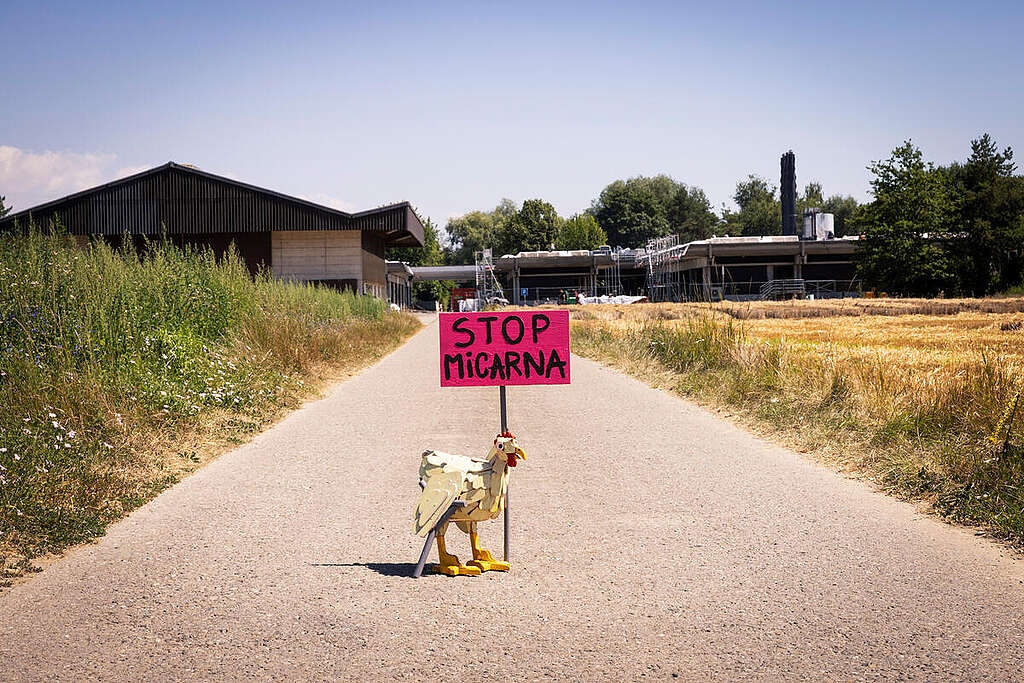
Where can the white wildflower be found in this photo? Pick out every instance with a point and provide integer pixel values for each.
(53, 415)
(72, 434)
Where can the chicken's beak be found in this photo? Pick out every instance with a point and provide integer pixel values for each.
(519, 453)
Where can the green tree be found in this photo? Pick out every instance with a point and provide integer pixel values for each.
(430, 254)
(812, 196)
(907, 227)
(534, 227)
(760, 212)
(990, 213)
(810, 199)
(690, 214)
(581, 232)
(633, 211)
(478, 230)
(845, 209)
(4, 209)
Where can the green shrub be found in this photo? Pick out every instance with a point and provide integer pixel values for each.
(111, 357)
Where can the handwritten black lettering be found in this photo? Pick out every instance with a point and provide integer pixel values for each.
(480, 372)
(537, 364)
(488, 320)
(504, 330)
(449, 360)
(535, 326)
(498, 368)
(456, 326)
(556, 363)
(512, 363)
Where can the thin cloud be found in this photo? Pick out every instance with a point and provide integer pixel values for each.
(329, 200)
(130, 170)
(29, 178)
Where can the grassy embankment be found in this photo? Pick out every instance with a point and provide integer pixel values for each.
(120, 374)
(922, 397)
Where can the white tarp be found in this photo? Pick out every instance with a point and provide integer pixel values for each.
(621, 299)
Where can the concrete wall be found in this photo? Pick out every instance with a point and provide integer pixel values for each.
(318, 255)
(374, 271)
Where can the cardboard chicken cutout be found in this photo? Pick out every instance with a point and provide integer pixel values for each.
(491, 348)
(480, 484)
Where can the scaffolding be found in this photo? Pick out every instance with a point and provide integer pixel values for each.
(663, 283)
(615, 274)
(488, 289)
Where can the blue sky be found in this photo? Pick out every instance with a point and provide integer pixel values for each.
(456, 105)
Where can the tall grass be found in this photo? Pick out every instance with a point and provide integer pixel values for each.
(117, 367)
(950, 437)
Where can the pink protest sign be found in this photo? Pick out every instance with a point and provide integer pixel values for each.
(492, 349)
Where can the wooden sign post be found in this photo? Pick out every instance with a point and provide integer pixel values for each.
(504, 349)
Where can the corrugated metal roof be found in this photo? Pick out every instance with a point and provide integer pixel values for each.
(181, 199)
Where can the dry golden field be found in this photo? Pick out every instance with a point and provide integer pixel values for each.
(922, 396)
(921, 334)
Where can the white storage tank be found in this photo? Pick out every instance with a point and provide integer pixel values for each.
(825, 226)
(818, 226)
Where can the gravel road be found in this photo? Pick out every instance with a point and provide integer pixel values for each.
(650, 538)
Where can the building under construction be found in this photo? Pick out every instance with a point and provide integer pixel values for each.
(734, 268)
(811, 263)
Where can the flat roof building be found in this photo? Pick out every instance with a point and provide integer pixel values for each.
(760, 267)
(734, 268)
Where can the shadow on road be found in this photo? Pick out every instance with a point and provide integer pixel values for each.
(383, 568)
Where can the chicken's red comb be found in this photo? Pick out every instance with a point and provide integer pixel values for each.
(503, 435)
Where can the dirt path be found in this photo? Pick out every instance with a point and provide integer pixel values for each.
(649, 538)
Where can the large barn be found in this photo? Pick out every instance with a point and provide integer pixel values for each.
(296, 239)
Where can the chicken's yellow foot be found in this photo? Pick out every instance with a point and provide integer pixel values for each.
(483, 558)
(449, 564)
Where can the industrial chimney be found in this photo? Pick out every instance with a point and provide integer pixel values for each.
(788, 185)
